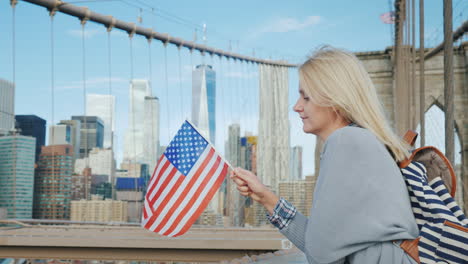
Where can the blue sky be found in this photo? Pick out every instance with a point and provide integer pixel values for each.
(270, 29)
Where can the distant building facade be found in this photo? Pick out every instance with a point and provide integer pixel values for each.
(101, 162)
(91, 135)
(53, 183)
(75, 135)
(103, 106)
(7, 106)
(17, 155)
(32, 126)
(99, 210)
(141, 142)
(204, 100)
(296, 163)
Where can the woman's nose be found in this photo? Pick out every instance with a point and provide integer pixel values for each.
(297, 107)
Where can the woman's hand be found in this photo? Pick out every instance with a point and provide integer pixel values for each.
(249, 185)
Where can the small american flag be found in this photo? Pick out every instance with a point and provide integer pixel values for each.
(388, 18)
(185, 179)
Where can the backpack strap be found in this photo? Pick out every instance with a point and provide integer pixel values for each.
(411, 248)
(448, 177)
(410, 137)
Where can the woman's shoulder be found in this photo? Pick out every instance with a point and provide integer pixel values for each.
(352, 136)
(353, 141)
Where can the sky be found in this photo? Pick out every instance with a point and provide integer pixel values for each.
(281, 30)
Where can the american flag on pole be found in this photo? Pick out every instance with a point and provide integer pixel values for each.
(185, 179)
(388, 17)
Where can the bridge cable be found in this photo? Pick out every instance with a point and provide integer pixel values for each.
(422, 74)
(133, 167)
(152, 101)
(166, 86)
(182, 106)
(88, 178)
(52, 81)
(13, 47)
(230, 94)
(111, 106)
(214, 99)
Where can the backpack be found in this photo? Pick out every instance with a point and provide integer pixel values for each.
(443, 227)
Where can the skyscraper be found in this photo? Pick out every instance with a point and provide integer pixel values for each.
(204, 100)
(7, 106)
(296, 163)
(59, 134)
(52, 183)
(103, 106)
(17, 175)
(33, 126)
(142, 136)
(92, 133)
(151, 131)
(75, 136)
(234, 201)
(101, 162)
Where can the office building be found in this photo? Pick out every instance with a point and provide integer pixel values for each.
(53, 183)
(32, 126)
(103, 106)
(141, 141)
(7, 107)
(59, 135)
(299, 193)
(204, 101)
(17, 155)
(92, 133)
(101, 162)
(99, 210)
(296, 163)
(131, 190)
(75, 135)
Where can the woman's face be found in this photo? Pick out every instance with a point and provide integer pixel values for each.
(316, 119)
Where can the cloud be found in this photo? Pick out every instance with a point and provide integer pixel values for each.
(288, 24)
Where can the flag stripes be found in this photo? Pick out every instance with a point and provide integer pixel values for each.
(184, 181)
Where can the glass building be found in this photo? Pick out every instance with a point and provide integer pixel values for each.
(60, 134)
(53, 183)
(142, 136)
(75, 135)
(17, 175)
(204, 100)
(102, 106)
(7, 106)
(33, 126)
(92, 133)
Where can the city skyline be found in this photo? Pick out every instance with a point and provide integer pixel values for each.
(280, 31)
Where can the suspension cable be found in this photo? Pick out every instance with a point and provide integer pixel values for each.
(13, 33)
(133, 167)
(151, 101)
(111, 107)
(85, 117)
(422, 74)
(166, 86)
(180, 85)
(52, 89)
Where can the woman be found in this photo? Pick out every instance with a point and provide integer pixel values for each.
(361, 208)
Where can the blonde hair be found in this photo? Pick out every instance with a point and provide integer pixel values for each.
(336, 78)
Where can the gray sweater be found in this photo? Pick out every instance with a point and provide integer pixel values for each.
(360, 205)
